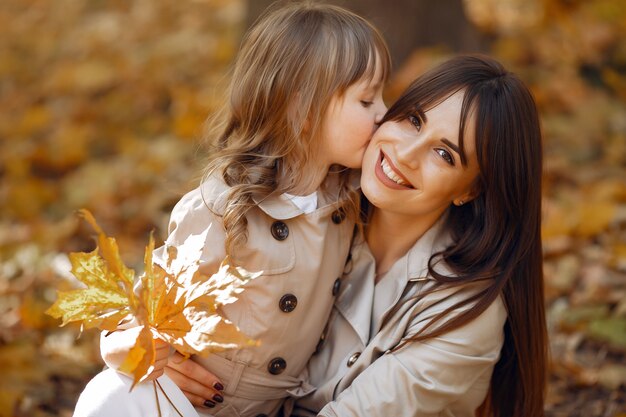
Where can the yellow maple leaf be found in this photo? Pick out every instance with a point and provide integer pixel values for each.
(174, 302)
(109, 295)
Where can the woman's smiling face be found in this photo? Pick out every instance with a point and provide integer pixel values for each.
(413, 166)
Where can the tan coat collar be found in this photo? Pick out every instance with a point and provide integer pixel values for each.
(365, 305)
(434, 240)
(413, 266)
(215, 192)
(276, 206)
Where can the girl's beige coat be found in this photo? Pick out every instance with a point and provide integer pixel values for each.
(286, 308)
(355, 371)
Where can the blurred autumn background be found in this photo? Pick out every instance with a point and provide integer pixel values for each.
(102, 104)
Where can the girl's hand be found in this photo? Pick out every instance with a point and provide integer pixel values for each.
(161, 356)
(200, 386)
(114, 347)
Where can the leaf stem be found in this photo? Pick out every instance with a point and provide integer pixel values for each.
(167, 397)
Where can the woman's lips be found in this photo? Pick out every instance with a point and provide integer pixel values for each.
(385, 179)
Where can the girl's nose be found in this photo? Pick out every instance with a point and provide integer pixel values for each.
(380, 112)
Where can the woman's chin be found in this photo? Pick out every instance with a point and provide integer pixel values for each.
(373, 195)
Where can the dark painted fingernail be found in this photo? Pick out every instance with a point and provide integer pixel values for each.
(218, 386)
(209, 403)
(218, 398)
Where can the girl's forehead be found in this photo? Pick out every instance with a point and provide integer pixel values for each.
(370, 80)
(375, 75)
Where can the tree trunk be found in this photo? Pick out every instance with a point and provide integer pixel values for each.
(409, 24)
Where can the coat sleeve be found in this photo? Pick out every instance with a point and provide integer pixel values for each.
(424, 378)
(190, 216)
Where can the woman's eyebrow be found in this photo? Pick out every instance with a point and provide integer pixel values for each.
(454, 147)
(420, 113)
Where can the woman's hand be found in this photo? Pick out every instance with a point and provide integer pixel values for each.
(200, 386)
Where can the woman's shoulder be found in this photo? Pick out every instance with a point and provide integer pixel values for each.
(453, 301)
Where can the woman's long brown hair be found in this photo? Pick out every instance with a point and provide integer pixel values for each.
(497, 237)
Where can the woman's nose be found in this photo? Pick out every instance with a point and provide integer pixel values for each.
(408, 151)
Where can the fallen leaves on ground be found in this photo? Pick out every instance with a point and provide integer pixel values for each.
(102, 106)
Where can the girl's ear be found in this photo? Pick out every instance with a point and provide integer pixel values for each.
(295, 112)
(306, 126)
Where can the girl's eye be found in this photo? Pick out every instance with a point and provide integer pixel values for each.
(415, 121)
(366, 104)
(445, 155)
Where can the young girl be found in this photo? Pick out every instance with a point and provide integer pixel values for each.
(305, 98)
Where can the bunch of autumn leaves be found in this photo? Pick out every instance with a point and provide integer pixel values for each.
(173, 301)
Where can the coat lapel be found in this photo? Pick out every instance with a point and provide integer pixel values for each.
(412, 267)
(365, 305)
(356, 295)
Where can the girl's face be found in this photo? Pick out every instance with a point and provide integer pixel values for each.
(413, 166)
(350, 121)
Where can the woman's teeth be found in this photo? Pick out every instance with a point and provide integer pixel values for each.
(390, 174)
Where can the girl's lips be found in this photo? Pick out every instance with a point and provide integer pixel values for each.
(382, 177)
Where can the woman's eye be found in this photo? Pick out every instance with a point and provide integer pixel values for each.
(415, 121)
(445, 155)
(366, 104)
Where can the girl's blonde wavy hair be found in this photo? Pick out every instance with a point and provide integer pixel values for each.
(290, 65)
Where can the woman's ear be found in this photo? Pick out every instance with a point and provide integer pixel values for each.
(471, 194)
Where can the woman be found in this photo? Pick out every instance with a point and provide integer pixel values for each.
(451, 261)
(441, 307)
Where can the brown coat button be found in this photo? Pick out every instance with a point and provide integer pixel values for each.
(277, 366)
(336, 286)
(280, 231)
(352, 359)
(338, 216)
(288, 303)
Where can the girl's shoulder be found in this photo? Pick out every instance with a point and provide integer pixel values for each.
(209, 195)
(198, 209)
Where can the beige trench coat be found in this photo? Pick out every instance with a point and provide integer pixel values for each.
(302, 257)
(357, 375)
